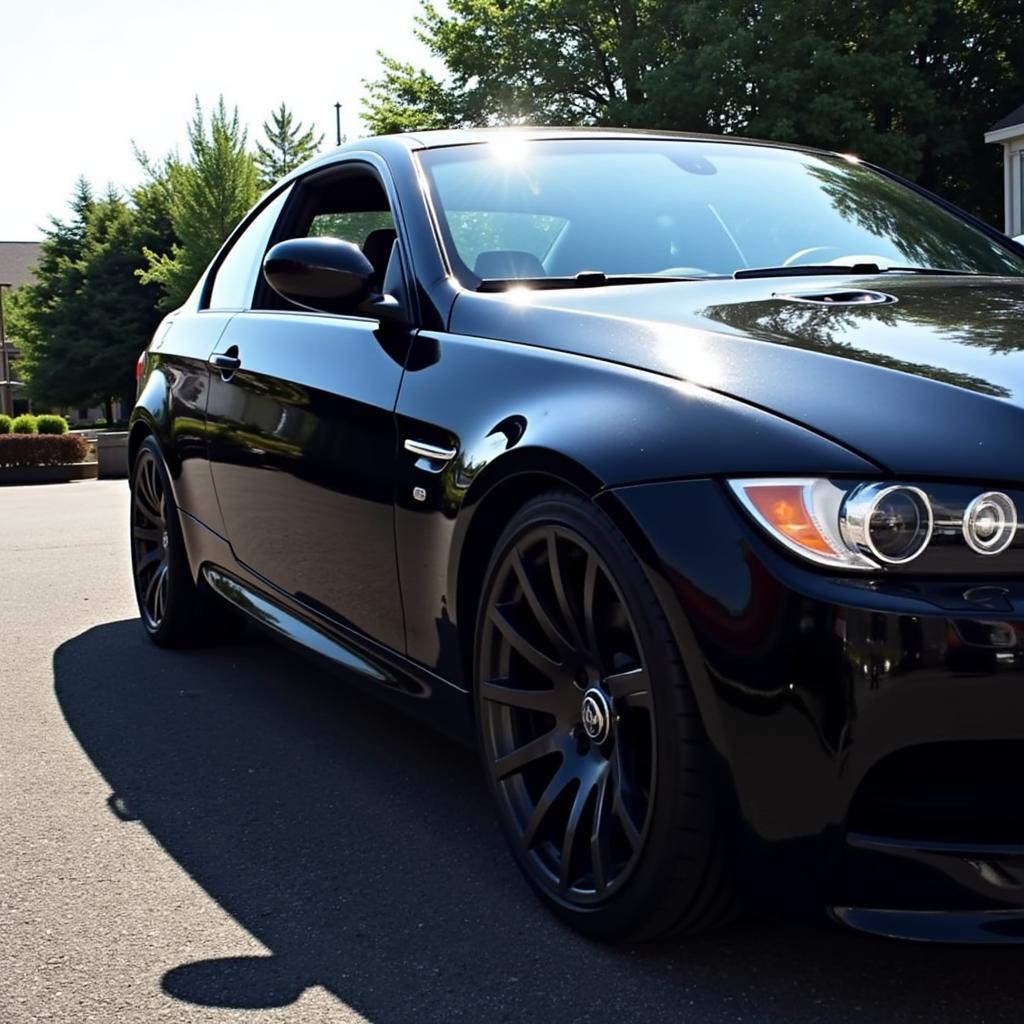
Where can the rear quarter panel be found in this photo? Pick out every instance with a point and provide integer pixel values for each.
(172, 406)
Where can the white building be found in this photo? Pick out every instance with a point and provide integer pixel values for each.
(1009, 132)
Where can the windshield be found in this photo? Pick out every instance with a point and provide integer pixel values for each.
(515, 209)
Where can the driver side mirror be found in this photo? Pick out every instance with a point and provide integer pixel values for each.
(326, 275)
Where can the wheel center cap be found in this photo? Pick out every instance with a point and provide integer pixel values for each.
(164, 540)
(596, 715)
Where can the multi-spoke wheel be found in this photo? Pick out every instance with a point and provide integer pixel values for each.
(176, 610)
(573, 685)
(150, 542)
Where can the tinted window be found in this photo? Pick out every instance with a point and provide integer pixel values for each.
(236, 276)
(353, 227)
(688, 208)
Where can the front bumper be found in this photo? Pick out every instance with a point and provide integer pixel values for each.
(871, 730)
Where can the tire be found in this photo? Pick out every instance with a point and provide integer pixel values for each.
(176, 611)
(590, 735)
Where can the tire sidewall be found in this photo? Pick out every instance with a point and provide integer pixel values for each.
(179, 577)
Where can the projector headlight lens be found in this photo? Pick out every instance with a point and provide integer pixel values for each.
(990, 523)
(890, 522)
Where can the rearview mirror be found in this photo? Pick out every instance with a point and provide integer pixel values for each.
(323, 274)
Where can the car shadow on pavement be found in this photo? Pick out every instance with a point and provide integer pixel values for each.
(361, 850)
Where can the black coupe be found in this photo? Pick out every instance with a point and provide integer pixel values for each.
(679, 474)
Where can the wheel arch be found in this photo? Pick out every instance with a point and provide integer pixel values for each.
(495, 495)
(152, 417)
(139, 431)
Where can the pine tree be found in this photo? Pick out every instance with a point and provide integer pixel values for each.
(122, 315)
(288, 145)
(208, 196)
(47, 312)
(83, 323)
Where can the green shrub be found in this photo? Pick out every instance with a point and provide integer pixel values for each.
(50, 424)
(42, 449)
(5, 424)
(24, 424)
(101, 422)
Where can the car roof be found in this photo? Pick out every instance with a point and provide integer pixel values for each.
(437, 139)
(418, 141)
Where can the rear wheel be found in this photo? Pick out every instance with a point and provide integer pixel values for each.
(590, 734)
(176, 611)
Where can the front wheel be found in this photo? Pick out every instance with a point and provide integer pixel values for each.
(176, 610)
(590, 734)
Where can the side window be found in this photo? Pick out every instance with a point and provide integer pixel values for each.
(351, 227)
(347, 202)
(235, 279)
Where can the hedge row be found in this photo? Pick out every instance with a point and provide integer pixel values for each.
(29, 424)
(42, 449)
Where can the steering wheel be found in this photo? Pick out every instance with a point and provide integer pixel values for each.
(798, 256)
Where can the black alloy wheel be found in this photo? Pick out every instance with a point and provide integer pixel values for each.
(176, 610)
(568, 713)
(568, 694)
(150, 540)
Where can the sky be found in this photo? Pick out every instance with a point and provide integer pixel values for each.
(80, 82)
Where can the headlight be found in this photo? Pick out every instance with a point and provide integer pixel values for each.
(874, 525)
(990, 523)
(889, 523)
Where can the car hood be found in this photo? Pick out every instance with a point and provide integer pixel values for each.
(930, 383)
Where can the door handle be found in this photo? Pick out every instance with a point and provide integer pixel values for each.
(429, 451)
(225, 363)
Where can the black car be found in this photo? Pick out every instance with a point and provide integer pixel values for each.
(679, 474)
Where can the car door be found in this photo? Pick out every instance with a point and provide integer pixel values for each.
(301, 430)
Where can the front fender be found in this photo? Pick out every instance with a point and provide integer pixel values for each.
(514, 412)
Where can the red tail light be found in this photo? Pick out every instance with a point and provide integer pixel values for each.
(140, 366)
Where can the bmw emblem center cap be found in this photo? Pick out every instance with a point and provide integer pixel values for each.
(596, 715)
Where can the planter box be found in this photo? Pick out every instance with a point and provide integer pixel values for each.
(48, 474)
(112, 454)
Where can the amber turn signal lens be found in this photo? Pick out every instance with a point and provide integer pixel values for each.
(782, 507)
(803, 515)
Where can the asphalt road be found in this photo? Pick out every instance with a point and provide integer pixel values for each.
(233, 835)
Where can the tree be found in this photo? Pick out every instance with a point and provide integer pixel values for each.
(288, 145)
(84, 322)
(208, 196)
(122, 314)
(406, 99)
(44, 313)
(912, 86)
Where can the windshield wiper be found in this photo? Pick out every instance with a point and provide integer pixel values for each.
(584, 279)
(598, 279)
(821, 269)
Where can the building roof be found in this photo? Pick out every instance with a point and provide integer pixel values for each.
(17, 260)
(1014, 118)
